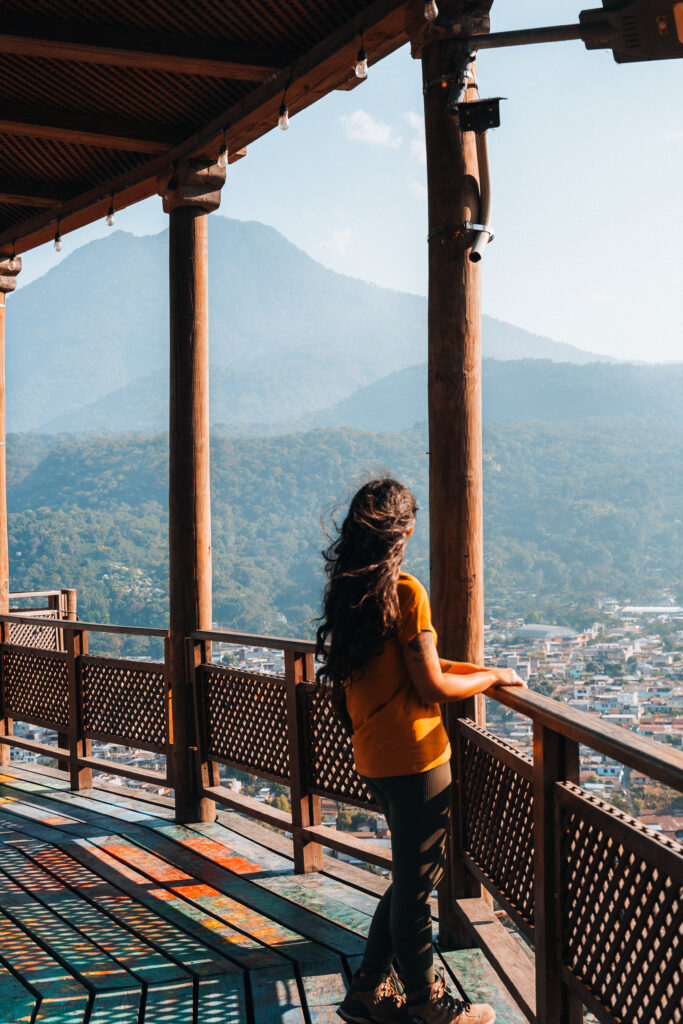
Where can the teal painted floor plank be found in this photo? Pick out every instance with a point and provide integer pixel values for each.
(275, 999)
(16, 1002)
(125, 948)
(63, 1000)
(169, 1004)
(482, 984)
(323, 992)
(94, 968)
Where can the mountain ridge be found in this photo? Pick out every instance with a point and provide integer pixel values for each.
(98, 321)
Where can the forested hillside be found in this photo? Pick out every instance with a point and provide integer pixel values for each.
(573, 511)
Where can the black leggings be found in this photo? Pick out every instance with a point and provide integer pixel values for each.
(416, 808)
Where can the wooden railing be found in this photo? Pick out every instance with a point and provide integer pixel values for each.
(596, 894)
(52, 682)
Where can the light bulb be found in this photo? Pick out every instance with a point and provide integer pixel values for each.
(57, 244)
(223, 155)
(12, 264)
(110, 216)
(362, 64)
(283, 119)
(431, 10)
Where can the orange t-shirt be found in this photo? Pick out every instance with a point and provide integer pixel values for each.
(395, 732)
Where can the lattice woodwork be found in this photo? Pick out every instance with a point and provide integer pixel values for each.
(26, 635)
(246, 720)
(35, 685)
(125, 701)
(331, 770)
(497, 805)
(622, 911)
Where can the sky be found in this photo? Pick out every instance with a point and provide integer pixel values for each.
(587, 172)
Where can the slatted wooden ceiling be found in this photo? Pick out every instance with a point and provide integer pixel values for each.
(101, 96)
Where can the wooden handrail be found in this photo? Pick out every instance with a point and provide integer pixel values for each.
(88, 627)
(275, 643)
(657, 760)
(34, 593)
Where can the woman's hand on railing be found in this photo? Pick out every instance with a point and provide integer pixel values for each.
(507, 677)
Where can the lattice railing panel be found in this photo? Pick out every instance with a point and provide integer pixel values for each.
(35, 686)
(622, 911)
(125, 701)
(25, 634)
(497, 802)
(331, 770)
(246, 720)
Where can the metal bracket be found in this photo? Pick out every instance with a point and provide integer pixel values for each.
(469, 226)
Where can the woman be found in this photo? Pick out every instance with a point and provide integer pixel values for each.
(377, 646)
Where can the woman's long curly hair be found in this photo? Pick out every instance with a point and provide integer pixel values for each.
(360, 603)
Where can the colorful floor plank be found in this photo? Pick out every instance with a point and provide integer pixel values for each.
(110, 913)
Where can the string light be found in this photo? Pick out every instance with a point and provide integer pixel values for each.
(110, 213)
(283, 119)
(57, 244)
(362, 61)
(223, 153)
(431, 10)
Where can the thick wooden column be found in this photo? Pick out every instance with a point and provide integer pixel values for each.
(188, 197)
(454, 391)
(9, 268)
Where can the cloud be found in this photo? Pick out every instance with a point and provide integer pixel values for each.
(341, 239)
(363, 127)
(418, 189)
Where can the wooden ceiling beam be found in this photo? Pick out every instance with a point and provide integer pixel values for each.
(21, 192)
(176, 55)
(314, 74)
(85, 130)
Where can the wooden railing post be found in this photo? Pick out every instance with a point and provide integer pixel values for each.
(308, 855)
(6, 724)
(76, 645)
(556, 759)
(199, 653)
(66, 605)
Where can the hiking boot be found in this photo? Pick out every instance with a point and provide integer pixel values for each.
(372, 997)
(435, 1005)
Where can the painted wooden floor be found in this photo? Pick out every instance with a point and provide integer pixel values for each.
(111, 914)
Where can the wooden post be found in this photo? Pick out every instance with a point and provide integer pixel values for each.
(76, 645)
(67, 608)
(454, 393)
(308, 855)
(9, 268)
(208, 771)
(6, 724)
(70, 605)
(556, 759)
(189, 194)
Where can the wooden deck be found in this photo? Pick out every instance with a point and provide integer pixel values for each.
(111, 914)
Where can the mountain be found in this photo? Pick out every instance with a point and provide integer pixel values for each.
(98, 322)
(572, 511)
(251, 402)
(526, 389)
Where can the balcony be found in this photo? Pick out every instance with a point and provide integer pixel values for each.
(594, 893)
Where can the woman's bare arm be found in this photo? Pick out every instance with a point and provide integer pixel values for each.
(460, 668)
(436, 684)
